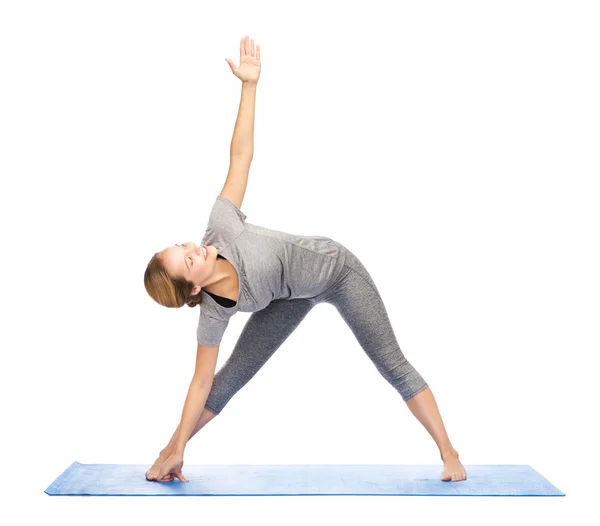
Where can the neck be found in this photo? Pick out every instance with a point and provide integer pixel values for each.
(223, 280)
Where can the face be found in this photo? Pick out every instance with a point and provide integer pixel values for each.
(188, 261)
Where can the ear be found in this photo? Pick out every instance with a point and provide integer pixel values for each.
(196, 290)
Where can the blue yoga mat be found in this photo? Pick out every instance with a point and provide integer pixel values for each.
(302, 479)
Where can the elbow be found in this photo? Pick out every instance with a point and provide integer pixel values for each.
(203, 380)
(245, 155)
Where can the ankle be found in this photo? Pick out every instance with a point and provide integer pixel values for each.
(449, 453)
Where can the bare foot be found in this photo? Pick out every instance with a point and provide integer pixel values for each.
(453, 469)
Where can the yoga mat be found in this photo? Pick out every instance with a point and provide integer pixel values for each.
(303, 479)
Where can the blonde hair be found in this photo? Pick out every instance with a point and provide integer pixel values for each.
(165, 290)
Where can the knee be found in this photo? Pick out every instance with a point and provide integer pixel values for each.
(211, 412)
(407, 380)
(407, 397)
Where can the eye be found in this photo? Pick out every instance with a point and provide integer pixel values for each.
(192, 262)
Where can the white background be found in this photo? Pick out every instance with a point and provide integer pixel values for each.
(452, 146)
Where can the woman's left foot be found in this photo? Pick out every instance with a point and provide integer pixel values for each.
(453, 469)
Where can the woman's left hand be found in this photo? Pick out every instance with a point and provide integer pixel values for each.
(249, 70)
(171, 467)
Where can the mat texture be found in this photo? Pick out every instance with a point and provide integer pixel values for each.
(302, 479)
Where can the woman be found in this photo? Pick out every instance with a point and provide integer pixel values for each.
(279, 277)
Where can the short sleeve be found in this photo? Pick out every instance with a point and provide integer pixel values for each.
(210, 330)
(225, 223)
(229, 204)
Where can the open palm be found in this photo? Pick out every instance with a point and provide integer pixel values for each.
(249, 68)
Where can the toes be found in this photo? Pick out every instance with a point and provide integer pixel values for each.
(454, 477)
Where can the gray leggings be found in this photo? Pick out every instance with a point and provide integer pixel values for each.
(357, 299)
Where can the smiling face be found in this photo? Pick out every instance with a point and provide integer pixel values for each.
(191, 262)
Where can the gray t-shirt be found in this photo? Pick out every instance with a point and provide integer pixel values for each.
(270, 264)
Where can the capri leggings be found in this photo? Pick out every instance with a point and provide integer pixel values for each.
(356, 298)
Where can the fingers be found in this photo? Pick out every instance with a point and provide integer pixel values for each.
(247, 48)
(168, 477)
(164, 478)
(154, 474)
(181, 477)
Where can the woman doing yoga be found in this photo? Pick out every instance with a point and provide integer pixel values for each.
(278, 277)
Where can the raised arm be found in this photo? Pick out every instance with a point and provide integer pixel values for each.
(242, 148)
(242, 143)
(234, 188)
